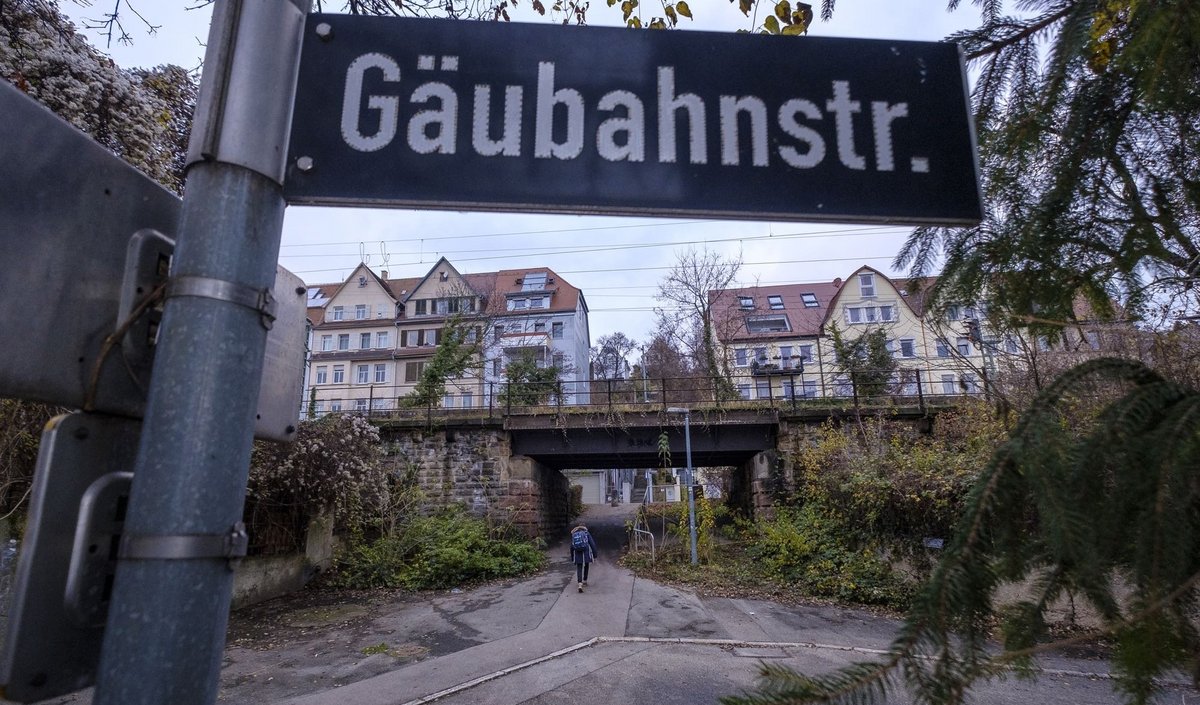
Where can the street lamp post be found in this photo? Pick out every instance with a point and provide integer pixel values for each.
(687, 441)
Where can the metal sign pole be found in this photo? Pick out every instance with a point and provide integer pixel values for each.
(166, 624)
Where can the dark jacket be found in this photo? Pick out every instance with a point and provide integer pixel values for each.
(586, 555)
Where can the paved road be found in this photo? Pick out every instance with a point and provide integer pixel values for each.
(539, 642)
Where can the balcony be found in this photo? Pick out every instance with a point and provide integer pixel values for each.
(790, 366)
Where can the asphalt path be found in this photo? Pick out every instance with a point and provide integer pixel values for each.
(537, 641)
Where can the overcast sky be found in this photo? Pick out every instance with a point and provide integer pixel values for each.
(325, 244)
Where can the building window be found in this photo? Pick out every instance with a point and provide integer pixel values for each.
(362, 282)
(558, 360)
(887, 313)
(947, 384)
(740, 358)
(339, 374)
(556, 330)
(943, 348)
(1043, 343)
(344, 341)
(539, 327)
(908, 347)
(382, 339)
(760, 355)
(853, 315)
(1093, 339)
(789, 391)
(537, 302)
(866, 285)
(360, 312)
(377, 404)
(413, 370)
(775, 301)
(970, 385)
(953, 312)
(744, 391)
(762, 389)
(890, 346)
(381, 372)
(746, 302)
(364, 341)
(810, 389)
(806, 353)
(322, 375)
(785, 356)
(810, 300)
(327, 342)
(318, 408)
(1010, 345)
(339, 313)
(422, 307)
(335, 404)
(520, 304)
(443, 307)
(499, 332)
(533, 281)
(497, 367)
(364, 374)
(870, 314)
(963, 345)
(842, 386)
(468, 400)
(360, 405)
(448, 401)
(768, 324)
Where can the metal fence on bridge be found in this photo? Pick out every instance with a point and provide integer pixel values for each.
(913, 388)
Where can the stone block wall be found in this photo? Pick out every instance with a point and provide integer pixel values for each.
(475, 467)
(453, 466)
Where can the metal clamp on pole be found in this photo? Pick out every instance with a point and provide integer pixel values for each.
(259, 300)
(231, 546)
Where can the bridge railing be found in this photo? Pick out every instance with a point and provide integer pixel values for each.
(758, 387)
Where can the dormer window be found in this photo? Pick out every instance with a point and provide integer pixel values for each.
(810, 300)
(533, 281)
(746, 302)
(775, 301)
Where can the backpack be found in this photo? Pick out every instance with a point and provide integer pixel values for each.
(580, 540)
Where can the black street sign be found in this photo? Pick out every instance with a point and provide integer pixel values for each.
(524, 117)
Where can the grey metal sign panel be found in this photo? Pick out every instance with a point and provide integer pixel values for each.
(69, 213)
(48, 649)
(524, 117)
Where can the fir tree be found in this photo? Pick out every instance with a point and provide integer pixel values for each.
(1109, 515)
(1088, 121)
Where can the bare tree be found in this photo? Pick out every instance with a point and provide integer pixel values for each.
(684, 298)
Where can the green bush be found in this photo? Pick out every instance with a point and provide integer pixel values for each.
(813, 548)
(575, 508)
(443, 550)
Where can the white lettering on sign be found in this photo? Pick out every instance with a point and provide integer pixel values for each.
(370, 121)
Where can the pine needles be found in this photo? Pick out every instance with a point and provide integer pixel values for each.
(1108, 515)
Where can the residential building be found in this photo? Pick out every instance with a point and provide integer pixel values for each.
(778, 339)
(372, 336)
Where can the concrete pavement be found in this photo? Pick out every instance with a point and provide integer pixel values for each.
(536, 641)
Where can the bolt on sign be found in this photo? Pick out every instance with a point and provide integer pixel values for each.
(522, 117)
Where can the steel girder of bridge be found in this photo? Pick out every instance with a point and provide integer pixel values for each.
(719, 439)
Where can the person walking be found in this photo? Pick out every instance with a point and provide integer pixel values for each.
(583, 552)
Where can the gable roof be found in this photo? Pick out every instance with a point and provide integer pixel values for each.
(730, 318)
(876, 272)
(441, 261)
(337, 289)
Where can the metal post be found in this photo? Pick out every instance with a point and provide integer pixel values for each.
(491, 397)
(687, 443)
(165, 634)
(920, 394)
(609, 381)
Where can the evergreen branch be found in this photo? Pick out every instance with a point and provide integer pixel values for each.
(1028, 31)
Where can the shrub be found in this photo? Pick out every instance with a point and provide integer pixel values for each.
(812, 547)
(442, 550)
(575, 506)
